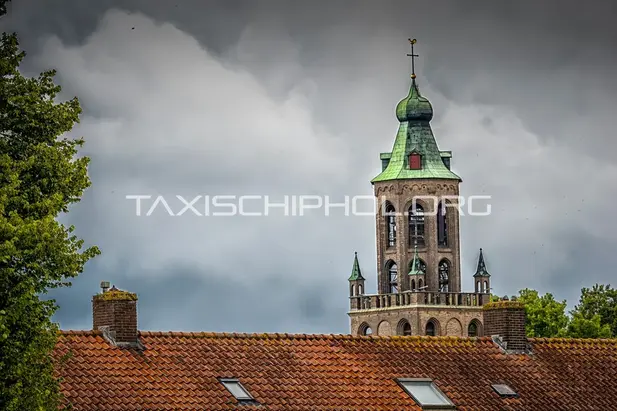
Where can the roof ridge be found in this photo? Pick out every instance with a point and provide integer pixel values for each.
(80, 332)
(273, 335)
(281, 336)
(571, 340)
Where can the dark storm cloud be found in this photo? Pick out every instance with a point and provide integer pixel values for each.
(233, 97)
(189, 301)
(527, 55)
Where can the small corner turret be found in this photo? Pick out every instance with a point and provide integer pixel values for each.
(356, 281)
(417, 273)
(482, 278)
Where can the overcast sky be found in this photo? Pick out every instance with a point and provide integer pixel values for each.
(292, 98)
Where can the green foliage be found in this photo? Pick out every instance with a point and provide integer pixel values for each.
(594, 317)
(3, 6)
(599, 304)
(581, 327)
(39, 179)
(545, 316)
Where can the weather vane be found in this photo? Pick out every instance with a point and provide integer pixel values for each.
(413, 67)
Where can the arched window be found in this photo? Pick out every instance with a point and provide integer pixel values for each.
(442, 226)
(416, 225)
(365, 329)
(430, 328)
(472, 330)
(393, 276)
(353, 290)
(485, 288)
(413, 285)
(404, 328)
(444, 276)
(359, 289)
(420, 286)
(390, 215)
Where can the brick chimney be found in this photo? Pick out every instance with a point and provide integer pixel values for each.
(115, 313)
(504, 320)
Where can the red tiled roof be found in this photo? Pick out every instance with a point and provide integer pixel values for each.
(180, 371)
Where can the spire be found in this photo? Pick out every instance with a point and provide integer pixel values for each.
(415, 263)
(414, 113)
(481, 271)
(355, 271)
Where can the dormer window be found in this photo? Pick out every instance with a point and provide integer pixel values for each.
(415, 161)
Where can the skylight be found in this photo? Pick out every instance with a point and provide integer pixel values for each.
(425, 393)
(504, 390)
(236, 389)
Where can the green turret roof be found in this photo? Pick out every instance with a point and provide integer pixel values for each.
(355, 271)
(414, 135)
(415, 263)
(481, 271)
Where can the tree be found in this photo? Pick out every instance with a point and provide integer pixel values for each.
(594, 317)
(39, 179)
(546, 317)
(598, 302)
(581, 327)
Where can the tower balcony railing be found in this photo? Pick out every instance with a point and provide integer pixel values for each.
(410, 298)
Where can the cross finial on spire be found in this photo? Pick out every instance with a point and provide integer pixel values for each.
(412, 55)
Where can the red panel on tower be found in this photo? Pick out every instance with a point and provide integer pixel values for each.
(415, 161)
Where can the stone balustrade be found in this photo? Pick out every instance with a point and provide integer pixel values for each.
(410, 298)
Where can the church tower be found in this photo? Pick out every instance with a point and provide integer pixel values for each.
(417, 227)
